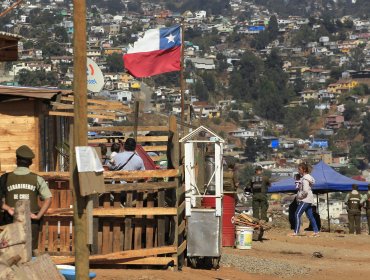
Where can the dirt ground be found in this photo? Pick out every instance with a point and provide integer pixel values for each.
(343, 257)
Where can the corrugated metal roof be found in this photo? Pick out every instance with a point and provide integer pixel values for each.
(9, 36)
(8, 92)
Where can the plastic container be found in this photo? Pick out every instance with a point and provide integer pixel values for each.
(228, 212)
(69, 272)
(244, 236)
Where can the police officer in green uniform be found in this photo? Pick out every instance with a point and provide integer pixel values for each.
(230, 178)
(353, 202)
(366, 204)
(22, 184)
(259, 185)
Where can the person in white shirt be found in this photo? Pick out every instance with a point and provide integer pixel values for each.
(305, 200)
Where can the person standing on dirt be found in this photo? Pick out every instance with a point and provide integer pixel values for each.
(305, 199)
(230, 178)
(353, 202)
(366, 204)
(258, 186)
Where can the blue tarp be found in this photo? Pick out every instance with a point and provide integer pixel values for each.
(327, 180)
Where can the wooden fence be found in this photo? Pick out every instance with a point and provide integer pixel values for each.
(138, 222)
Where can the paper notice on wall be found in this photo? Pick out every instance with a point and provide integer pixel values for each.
(88, 160)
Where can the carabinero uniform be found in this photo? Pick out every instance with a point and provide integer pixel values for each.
(259, 185)
(354, 212)
(21, 184)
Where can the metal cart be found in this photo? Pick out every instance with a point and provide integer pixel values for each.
(204, 226)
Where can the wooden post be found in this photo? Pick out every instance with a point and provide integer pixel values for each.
(174, 162)
(79, 137)
(22, 214)
(136, 121)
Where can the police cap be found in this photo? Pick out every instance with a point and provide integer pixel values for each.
(24, 152)
(258, 167)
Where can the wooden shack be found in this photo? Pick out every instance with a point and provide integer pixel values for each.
(9, 46)
(24, 119)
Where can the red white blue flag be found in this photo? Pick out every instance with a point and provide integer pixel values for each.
(157, 52)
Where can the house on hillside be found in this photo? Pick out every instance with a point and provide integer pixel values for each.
(334, 121)
(342, 86)
(9, 46)
(203, 63)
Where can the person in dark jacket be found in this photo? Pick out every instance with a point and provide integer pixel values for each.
(258, 186)
(353, 202)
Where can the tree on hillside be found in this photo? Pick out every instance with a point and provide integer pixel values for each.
(61, 34)
(209, 81)
(115, 63)
(201, 91)
(274, 61)
(273, 28)
(365, 131)
(37, 78)
(269, 104)
(250, 151)
(351, 113)
(261, 40)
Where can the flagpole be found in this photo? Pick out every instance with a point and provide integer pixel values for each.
(182, 84)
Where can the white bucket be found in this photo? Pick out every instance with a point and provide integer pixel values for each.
(244, 237)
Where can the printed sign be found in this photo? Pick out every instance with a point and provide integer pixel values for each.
(95, 78)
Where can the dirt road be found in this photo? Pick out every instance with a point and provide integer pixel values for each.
(277, 257)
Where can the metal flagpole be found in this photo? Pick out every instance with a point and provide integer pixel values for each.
(182, 82)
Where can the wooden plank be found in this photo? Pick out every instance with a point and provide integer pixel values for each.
(181, 208)
(117, 230)
(119, 256)
(158, 158)
(146, 186)
(119, 212)
(128, 128)
(162, 261)
(141, 139)
(91, 183)
(128, 225)
(66, 114)
(91, 108)
(51, 235)
(138, 227)
(161, 220)
(42, 236)
(149, 224)
(181, 227)
(107, 242)
(140, 174)
(129, 175)
(181, 248)
(155, 148)
(97, 101)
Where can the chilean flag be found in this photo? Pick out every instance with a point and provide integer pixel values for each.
(159, 51)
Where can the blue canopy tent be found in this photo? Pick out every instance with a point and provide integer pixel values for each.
(327, 180)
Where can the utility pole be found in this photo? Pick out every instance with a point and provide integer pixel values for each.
(79, 138)
(11, 8)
